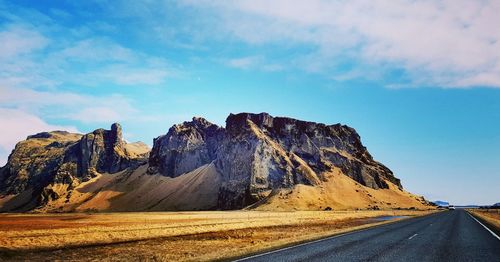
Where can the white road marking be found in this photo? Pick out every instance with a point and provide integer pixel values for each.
(493, 233)
(315, 241)
(312, 242)
(413, 236)
(299, 245)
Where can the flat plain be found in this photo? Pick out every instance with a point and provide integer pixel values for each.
(181, 236)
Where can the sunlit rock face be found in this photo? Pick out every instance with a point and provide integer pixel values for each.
(252, 158)
(185, 147)
(103, 151)
(59, 157)
(257, 153)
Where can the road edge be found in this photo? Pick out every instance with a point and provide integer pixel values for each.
(492, 228)
(319, 239)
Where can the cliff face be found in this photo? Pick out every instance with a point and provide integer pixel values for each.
(103, 151)
(258, 153)
(256, 160)
(60, 157)
(185, 147)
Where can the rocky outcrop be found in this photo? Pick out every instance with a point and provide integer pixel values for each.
(255, 158)
(60, 157)
(103, 151)
(185, 147)
(258, 153)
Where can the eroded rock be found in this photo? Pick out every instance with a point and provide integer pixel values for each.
(258, 153)
(60, 157)
(185, 147)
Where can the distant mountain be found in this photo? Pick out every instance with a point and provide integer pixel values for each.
(496, 205)
(255, 161)
(441, 203)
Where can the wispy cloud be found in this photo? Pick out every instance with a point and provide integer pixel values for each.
(243, 62)
(92, 61)
(437, 43)
(68, 105)
(253, 62)
(24, 111)
(17, 40)
(96, 50)
(42, 50)
(50, 71)
(130, 76)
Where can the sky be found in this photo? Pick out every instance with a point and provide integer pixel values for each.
(418, 80)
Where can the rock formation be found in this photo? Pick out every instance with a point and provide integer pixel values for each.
(185, 147)
(251, 160)
(103, 151)
(257, 153)
(61, 157)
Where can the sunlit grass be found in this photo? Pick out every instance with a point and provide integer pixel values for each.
(172, 234)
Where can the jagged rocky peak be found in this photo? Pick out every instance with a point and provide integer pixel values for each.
(257, 153)
(49, 158)
(185, 147)
(34, 161)
(235, 122)
(320, 146)
(116, 130)
(261, 153)
(254, 156)
(103, 151)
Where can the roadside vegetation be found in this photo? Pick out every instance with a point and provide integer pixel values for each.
(490, 216)
(172, 236)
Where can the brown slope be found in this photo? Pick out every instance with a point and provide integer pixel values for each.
(139, 191)
(340, 192)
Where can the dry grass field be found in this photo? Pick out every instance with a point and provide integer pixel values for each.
(162, 236)
(492, 216)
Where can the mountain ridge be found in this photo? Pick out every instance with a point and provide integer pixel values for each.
(251, 160)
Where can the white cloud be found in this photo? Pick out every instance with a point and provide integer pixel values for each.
(253, 62)
(17, 125)
(98, 61)
(125, 75)
(31, 59)
(445, 43)
(68, 105)
(244, 62)
(96, 50)
(101, 114)
(17, 40)
(15, 96)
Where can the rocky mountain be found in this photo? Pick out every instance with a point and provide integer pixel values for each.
(59, 157)
(256, 161)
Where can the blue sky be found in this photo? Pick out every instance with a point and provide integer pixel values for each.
(419, 80)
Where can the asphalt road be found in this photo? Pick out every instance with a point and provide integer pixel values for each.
(445, 236)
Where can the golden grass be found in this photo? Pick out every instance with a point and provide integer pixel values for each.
(492, 216)
(181, 236)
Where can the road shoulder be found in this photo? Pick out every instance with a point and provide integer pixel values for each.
(487, 221)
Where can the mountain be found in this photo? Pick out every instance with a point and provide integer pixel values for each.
(256, 161)
(47, 165)
(441, 203)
